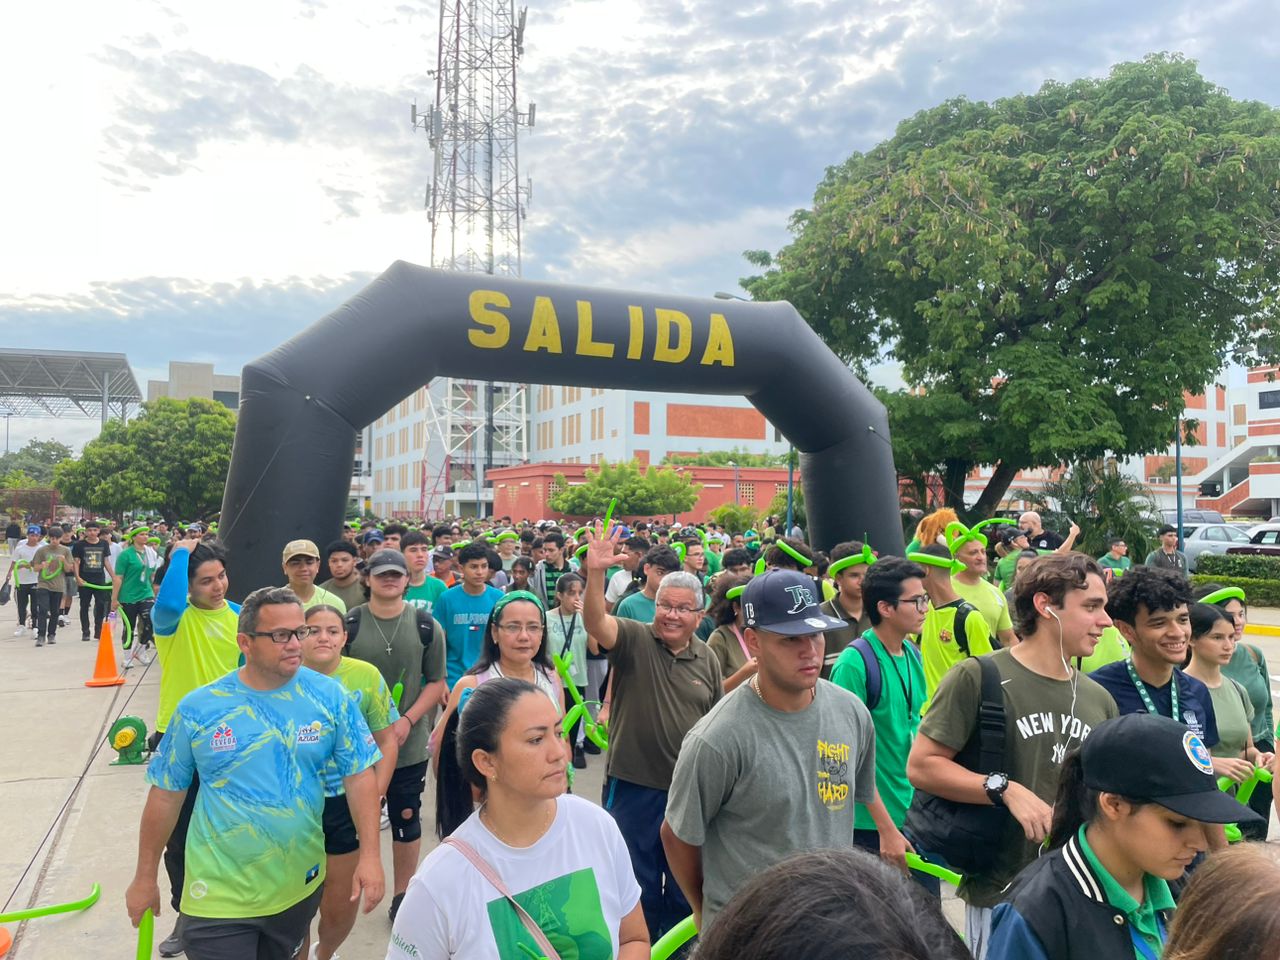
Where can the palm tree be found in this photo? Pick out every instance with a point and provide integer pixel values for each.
(1104, 502)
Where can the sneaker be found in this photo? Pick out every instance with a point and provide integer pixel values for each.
(395, 906)
(39, 641)
(51, 640)
(579, 758)
(171, 946)
(86, 638)
(62, 621)
(591, 748)
(21, 631)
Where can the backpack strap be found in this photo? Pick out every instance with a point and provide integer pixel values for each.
(426, 627)
(991, 727)
(872, 663)
(490, 874)
(962, 630)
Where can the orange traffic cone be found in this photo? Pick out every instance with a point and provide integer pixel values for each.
(105, 673)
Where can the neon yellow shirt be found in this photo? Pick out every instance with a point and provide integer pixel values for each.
(938, 647)
(201, 649)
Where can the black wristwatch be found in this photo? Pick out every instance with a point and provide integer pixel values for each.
(995, 785)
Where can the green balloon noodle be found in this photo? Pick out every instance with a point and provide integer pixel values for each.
(1244, 791)
(933, 870)
(397, 691)
(929, 560)
(794, 554)
(679, 548)
(760, 567)
(1223, 595)
(733, 593)
(146, 933)
(54, 908)
(597, 733)
(866, 556)
(674, 939)
(608, 514)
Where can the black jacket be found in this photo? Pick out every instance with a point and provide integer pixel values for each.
(1056, 910)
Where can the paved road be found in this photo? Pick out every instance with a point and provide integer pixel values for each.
(72, 819)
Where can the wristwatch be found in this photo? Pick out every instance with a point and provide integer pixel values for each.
(995, 785)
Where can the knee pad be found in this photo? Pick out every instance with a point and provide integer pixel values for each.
(405, 829)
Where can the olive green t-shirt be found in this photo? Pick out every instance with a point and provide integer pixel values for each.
(1248, 667)
(840, 638)
(406, 662)
(1234, 715)
(59, 558)
(352, 594)
(724, 644)
(1040, 729)
(657, 698)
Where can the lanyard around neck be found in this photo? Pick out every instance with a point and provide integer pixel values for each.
(1146, 697)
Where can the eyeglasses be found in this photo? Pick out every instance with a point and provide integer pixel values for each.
(921, 603)
(515, 629)
(682, 611)
(284, 636)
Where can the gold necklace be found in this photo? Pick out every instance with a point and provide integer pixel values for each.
(754, 684)
(546, 824)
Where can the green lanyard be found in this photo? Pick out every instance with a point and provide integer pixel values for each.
(1146, 697)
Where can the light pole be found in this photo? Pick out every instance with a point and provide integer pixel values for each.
(1177, 472)
(736, 500)
(791, 486)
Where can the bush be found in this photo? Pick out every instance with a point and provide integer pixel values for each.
(1261, 593)
(1258, 566)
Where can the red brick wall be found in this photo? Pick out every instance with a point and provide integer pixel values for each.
(640, 418)
(699, 420)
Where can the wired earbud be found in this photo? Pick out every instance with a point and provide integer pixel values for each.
(1074, 675)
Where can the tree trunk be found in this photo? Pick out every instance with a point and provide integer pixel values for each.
(953, 477)
(995, 490)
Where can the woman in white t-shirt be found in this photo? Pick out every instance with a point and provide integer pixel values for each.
(561, 857)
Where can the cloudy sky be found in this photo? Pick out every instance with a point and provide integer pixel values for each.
(200, 181)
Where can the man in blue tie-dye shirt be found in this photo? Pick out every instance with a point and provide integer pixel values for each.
(260, 739)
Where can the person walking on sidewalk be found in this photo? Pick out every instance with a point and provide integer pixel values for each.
(50, 563)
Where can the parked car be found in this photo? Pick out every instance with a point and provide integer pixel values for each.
(1192, 516)
(1264, 539)
(1210, 538)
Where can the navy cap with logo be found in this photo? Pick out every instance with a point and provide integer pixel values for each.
(785, 602)
(1147, 757)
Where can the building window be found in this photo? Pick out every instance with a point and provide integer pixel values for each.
(747, 491)
(1269, 399)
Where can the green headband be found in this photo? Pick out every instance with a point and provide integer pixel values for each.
(866, 556)
(680, 550)
(582, 532)
(733, 593)
(957, 535)
(135, 531)
(760, 567)
(929, 560)
(515, 595)
(794, 554)
(508, 535)
(1225, 594)
(581, 550)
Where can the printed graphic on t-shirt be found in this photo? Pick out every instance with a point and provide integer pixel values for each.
(1062, 727)
(568, 911)
(833, 774)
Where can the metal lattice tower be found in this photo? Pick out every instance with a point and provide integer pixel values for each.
(475, 204)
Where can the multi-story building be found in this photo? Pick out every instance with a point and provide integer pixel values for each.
(187, 380)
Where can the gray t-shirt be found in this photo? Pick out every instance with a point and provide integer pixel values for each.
(754, 785)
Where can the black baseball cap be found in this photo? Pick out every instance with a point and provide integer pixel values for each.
(783, 601)
(1147, 757)
(387, 560)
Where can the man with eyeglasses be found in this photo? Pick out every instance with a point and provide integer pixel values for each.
(386, 632)
(301, 562)
(664, 680)
(195, 629)
(261, 738)
(784, 741)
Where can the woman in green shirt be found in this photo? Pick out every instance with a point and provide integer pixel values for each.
(131, 588)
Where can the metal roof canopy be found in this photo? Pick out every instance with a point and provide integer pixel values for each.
(56, 383)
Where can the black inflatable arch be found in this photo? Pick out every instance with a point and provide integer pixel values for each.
(302, 404)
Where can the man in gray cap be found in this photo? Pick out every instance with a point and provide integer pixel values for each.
(778, 765)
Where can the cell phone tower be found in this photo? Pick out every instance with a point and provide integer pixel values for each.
(476, 205)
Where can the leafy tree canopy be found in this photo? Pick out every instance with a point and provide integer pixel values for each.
(650, 492)
(172, 457)
(735, 518)
(1052, 270)
(36, 460)
(724, 458)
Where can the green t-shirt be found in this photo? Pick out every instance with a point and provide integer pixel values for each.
(1234, 715)
(1248, 667)
(135, 577)
(1118, 564)
(426, 594)
(53, 577)
(352, 594)
(1142, 917)
(320, 596)
(989, 600)
(372, 698)
(1040, 730)
(1112, 646)
(201, 649)
(637, 607)
(896, 718)
(938, 647)
(714, 563)
(1006, 567)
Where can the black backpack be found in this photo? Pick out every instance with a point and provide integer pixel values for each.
(426, 627)
(968, 835)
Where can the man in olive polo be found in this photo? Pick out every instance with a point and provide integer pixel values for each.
(664, 681)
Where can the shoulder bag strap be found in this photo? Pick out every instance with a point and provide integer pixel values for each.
(991, 731)
(875, 679)
(479, 862)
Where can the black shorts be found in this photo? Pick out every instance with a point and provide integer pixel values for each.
(339, 829)
(276, 937)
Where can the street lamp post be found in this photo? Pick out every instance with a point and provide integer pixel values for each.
(791, 487)
(1177, 472)
(736, 500)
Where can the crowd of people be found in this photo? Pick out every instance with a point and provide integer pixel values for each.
(792, 735)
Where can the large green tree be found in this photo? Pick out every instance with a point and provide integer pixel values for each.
(1051, 270)
(172, 458)
(36, 460)
(641, 492)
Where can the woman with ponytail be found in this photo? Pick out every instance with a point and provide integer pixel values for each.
(533, 871)
(1128, 819)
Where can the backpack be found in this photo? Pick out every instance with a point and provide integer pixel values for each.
(963, 609)
(967, 835)
(426, 627)
(875, 678)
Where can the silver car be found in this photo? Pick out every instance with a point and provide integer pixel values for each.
(1210, 538)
